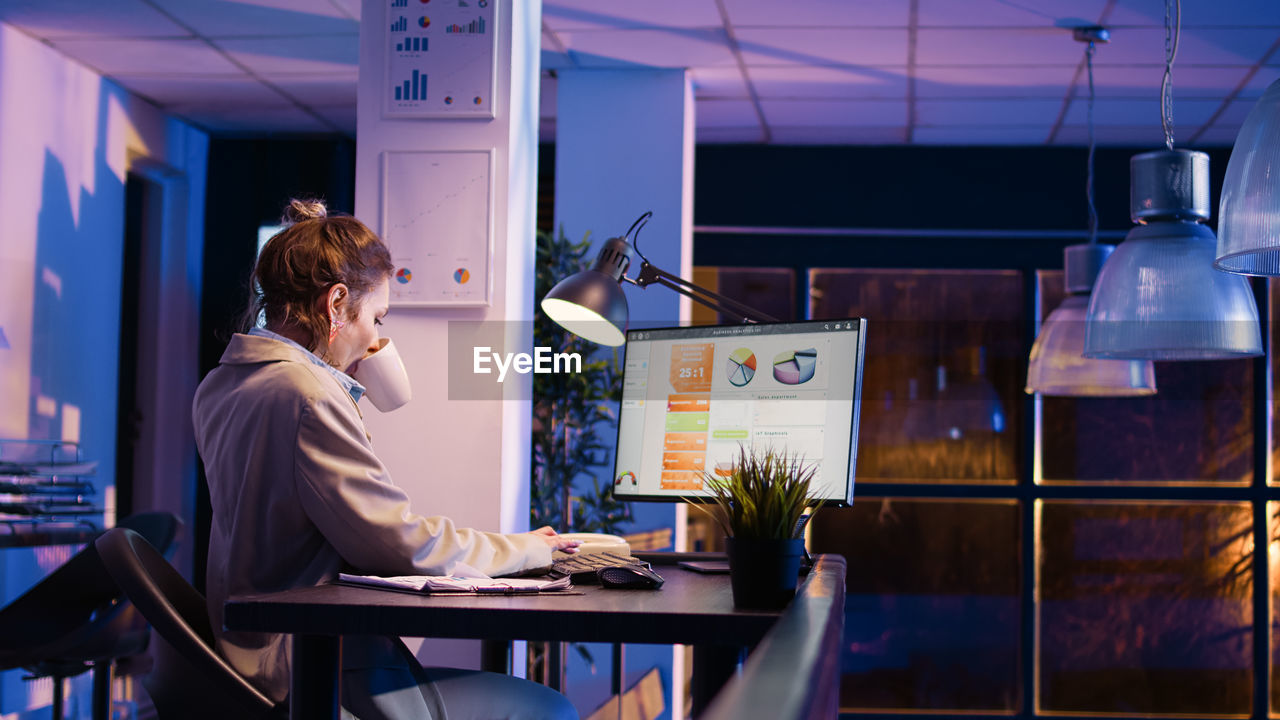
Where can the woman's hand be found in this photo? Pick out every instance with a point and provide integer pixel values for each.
(555, 541)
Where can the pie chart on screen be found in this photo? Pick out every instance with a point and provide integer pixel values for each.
(795, 367)
(741, 367)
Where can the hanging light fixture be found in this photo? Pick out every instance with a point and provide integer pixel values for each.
(1249, 214)
(1159, 297)
(1058, 366)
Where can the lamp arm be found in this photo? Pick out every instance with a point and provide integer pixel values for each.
(651, 275)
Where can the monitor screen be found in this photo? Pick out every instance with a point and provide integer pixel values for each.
(691, 397)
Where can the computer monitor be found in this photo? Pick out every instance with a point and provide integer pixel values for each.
(691, 397)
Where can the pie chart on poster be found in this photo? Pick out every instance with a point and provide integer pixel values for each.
(795, 367)
(741, 367)
(461, 276)
(403, 276)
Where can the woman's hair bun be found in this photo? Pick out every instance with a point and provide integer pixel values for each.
(308, 209)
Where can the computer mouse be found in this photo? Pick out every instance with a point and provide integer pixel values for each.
(629, 577)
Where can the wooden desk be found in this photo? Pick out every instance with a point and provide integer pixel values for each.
(689, 609)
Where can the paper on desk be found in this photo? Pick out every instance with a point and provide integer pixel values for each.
(455, 583)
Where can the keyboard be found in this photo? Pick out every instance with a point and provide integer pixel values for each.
(581, 569)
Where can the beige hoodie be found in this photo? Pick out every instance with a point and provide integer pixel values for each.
(298, 493)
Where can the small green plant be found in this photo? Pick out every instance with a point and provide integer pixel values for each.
(764, 496)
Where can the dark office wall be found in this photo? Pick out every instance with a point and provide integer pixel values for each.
(987, 188)
(249, 184)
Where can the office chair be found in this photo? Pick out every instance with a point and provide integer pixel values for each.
(76, 619)
(189, 679)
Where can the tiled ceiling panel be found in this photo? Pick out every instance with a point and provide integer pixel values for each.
(800, 71)
(818, 13)
(316, 54)
(970, 82)
(1003, 14)
(853, 113)
(849, 82)
(612, 15)
(87, 19)
(191, 90)
(148, 57)
(671, 48)
(1028, 111)
(218, 18)
(823, 46)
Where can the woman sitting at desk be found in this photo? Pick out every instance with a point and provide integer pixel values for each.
(298, 493)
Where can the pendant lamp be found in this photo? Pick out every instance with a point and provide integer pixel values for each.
(1249, 214)
(1159, 297)
(1057, 365)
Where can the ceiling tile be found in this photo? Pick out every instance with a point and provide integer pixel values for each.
(1108, 111)
(1235, 113)
(829, 82)
(947, 113)
(343, 116)
(981, 135)
(1002, 13)
(1143, 82)
(718, 82)
(597, 15)
(237, 120)
(330, 89)
(959, 81)
(752, 134)
(213, 18)
(168, 90)
(1217, 136)
(818, 13)
(838, 135)
(1260, 81)
(649, 48)
(87, 19)
(1148, 135)
(725, 113)
(336, 53)
(997, 46)
(823, 46)
(1197, 46)
(1238, 13)
(832, 113)
(152, 57)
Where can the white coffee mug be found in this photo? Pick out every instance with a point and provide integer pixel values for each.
(385, 381)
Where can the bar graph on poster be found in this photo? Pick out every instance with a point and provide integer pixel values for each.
(437, 221)
(440, 58)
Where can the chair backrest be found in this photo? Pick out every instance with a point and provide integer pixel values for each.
(190, 679)
(75, 610)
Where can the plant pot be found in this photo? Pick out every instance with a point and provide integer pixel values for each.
(763, 572)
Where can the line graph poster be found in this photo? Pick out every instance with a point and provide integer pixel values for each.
(437, 221)
(440, 58)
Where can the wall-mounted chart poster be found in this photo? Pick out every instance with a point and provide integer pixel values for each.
(440, 58)
(437, 219)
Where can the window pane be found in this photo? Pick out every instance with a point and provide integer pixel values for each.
(1198, 427)
(772, 291)
(1145, 608)
(942, 389)
(932, 607)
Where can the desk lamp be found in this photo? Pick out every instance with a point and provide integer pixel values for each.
(591, 304)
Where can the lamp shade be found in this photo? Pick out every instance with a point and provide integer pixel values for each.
(1058, 365)
(1249, 214)
(1159, 298)
(590, 303)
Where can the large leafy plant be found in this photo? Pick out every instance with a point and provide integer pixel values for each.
(574, 413)
(764, 496)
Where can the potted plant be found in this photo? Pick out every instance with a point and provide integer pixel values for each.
(760, 504)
